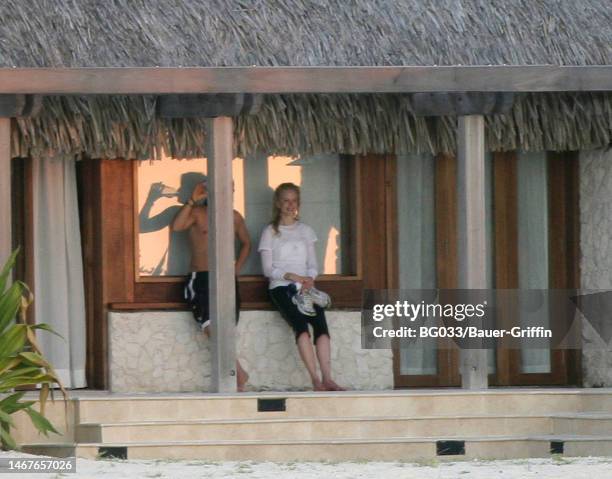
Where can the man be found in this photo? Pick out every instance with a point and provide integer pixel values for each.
(194, 217)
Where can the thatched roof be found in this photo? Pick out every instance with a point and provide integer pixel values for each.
(85, 33)
(68, 33)
(126, 126)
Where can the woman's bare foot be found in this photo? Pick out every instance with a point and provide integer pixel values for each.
(318, 386)
(241, 378)
(330, 385)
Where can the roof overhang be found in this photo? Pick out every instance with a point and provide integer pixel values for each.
(407, 79)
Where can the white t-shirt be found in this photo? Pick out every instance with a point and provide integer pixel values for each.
(289, 251)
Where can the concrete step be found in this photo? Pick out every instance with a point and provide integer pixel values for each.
(389, 425)
(115, 409)
(583, 423)
(313, 428)
(51, 449)
(348, 449)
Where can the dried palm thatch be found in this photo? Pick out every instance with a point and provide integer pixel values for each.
(68, 33)
(126, 127)
(64, 33)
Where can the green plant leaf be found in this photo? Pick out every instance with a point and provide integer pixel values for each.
(13, 408)
(13, 340)
(34, 359)
(21, 360)
(24, 381)
(6, 270)
(7, 364)
(46, 327)
(22, 371)
(6, 418)
(11, 400)
(9, 305)
(41, 422)
(7, 440)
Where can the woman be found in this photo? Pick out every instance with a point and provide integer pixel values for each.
(289, 260)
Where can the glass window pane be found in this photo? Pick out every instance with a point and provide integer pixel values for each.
(319, 178)
(163, 185)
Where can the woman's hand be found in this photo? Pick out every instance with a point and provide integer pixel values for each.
(306, 281)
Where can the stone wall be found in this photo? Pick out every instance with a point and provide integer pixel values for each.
(164, 351)
(596, 256)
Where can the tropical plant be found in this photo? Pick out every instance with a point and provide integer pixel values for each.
(21, 361)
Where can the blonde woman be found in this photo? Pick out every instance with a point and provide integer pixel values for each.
(289, 262)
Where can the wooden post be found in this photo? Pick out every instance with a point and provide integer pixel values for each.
(220, 137)
(472, 233)
(6, 245)
(10, 106)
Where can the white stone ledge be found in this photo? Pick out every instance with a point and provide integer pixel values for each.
(166, 352)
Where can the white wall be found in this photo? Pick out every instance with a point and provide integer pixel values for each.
(596, 256)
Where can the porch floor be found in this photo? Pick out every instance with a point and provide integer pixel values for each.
(104, 394)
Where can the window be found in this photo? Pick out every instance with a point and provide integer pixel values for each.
(327, 206)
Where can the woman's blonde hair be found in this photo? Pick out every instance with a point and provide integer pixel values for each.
(276, 212)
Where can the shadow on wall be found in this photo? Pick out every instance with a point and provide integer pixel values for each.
(177, 254)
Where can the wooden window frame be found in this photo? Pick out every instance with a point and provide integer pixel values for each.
(22, 224)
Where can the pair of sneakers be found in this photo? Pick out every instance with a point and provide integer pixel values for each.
(305, 301)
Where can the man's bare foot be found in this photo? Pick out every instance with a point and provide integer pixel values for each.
(318, 386)
(206, 332)
(330, 385)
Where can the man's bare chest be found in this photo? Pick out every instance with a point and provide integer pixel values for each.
(201, 221)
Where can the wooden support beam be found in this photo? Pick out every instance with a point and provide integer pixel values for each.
(220, 137)
(5, 190)
(407, 79)
(207, 105)
(460, 104)
(472, 245)
(20, 105)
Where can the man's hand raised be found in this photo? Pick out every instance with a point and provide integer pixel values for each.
(200, 192)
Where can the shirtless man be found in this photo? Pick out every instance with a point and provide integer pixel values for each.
(194, 217)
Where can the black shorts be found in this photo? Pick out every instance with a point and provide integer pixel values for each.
(196, 294)
(281, 298)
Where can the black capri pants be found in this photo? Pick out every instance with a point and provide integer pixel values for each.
(281, 298)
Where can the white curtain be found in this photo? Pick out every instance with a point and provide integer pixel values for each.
(533, 247)
(58, 268)
(417, 253)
